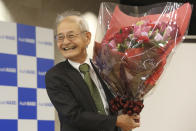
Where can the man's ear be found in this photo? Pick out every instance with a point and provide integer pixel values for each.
(88, 36)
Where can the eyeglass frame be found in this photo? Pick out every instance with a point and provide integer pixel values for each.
(68, 37)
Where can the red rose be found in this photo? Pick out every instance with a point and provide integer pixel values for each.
(150, 24)
(112, 102)
(124, 111)
(127, 30)
(123, 34)
(118, 38)
(145, 39)
(129, 112)
(125, 106)
(136, 109)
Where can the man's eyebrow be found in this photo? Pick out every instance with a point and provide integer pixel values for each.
(65, 33)
(70, 32)
(60, 34)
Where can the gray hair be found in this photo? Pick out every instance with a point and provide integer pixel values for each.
(82, 23)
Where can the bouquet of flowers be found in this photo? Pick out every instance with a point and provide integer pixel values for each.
(131, 51)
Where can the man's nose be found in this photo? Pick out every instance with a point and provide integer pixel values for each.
(66, 41)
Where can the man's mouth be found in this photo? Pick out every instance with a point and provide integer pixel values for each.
(69, 48)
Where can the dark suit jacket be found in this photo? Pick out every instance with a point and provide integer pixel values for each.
(71, 97)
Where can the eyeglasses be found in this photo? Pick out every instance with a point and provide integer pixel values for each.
(69, 36)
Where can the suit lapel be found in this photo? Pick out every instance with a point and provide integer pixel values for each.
(75, 76)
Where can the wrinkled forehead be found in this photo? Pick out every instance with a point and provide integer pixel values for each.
(69, 24)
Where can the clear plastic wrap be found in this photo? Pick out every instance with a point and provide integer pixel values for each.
(132, 45)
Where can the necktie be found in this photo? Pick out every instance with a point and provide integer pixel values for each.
(84, 68)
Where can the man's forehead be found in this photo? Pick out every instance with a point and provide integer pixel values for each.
(70, 23)
(75, 20)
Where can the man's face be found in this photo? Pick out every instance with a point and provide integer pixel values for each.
(72, 41)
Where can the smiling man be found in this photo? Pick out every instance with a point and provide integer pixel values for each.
(73, 38)
(75, 88)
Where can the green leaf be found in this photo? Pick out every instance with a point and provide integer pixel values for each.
(120, 31)
(122, 47)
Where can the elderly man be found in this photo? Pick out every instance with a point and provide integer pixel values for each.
(74, 86)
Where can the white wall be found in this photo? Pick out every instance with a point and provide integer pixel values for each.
(172, 105)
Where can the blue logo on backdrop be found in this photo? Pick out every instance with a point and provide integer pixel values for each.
(26, 40)
(8, 125)
(27, 103)
(47, 43)
(45, 104)
(7, 37)
(45, 125)
(42, 67)
(7, 102)
(8, 70)
(32, 72)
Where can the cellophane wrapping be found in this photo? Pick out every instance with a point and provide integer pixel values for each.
(132, 45)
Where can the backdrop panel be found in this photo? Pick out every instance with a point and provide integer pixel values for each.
(26, 53)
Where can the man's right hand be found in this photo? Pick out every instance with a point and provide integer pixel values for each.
(126, 122)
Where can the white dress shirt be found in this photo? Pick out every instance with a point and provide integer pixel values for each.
(95, 80)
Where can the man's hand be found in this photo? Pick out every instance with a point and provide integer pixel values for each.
(126, 122)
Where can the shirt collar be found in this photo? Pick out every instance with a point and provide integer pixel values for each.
(76, 64)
